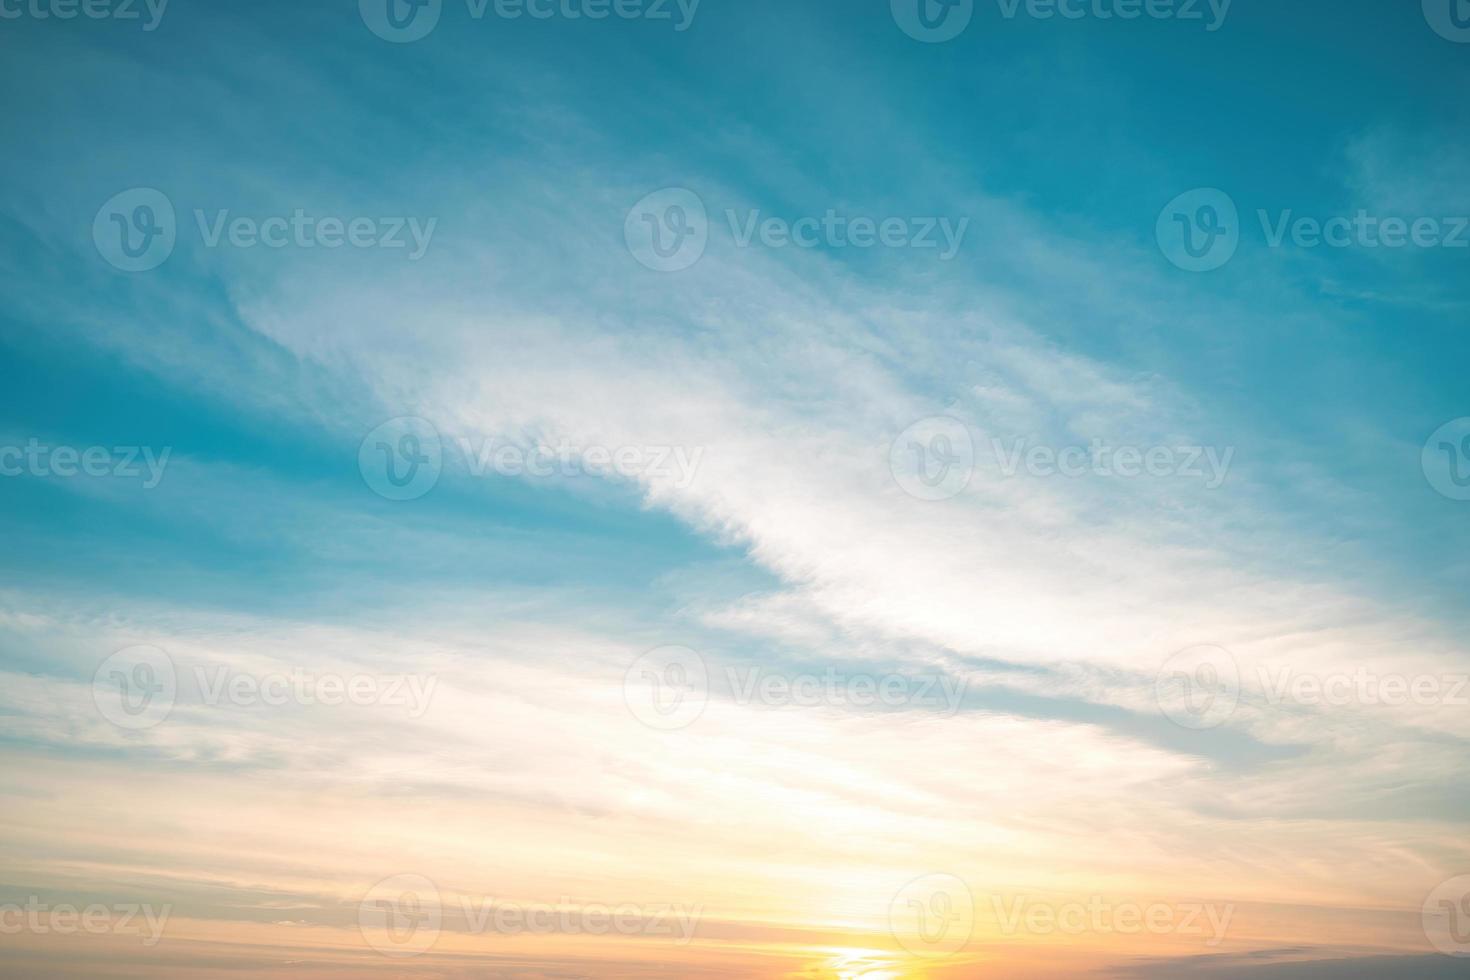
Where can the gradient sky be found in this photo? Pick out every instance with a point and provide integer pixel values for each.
(786, 377)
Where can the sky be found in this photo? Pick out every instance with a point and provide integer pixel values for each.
(895, 489)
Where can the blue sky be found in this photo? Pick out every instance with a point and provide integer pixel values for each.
(790, 372)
